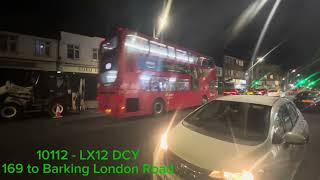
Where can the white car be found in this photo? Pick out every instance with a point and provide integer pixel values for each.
(236, 138)
(274, 92)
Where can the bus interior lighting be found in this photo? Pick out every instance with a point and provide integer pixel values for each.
(172, 79)
(154, 42)
(135, 36)
(158, 52)
(145, 77)
(136, 46)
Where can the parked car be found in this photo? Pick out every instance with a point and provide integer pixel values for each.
(292, 92)
(260, 91)
(250, 92)
(274, 92)
(229, 89)
(308, 100)
(236, 137)
(241, 91)
(230, 92)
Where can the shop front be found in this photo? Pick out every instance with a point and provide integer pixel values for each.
(83, 85)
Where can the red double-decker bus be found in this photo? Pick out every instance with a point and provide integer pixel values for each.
(139, 75)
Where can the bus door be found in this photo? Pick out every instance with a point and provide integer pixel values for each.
(170, 100)
(174, 97)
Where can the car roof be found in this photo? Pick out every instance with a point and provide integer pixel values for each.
(263, 100)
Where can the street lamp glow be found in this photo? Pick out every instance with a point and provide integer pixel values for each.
(163, 22)
(260, 59)
(293, 71)
(283, 79)
(298, 75)
(164, 17)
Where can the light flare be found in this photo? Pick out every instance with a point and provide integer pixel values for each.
(163, 139)
(246, 17)
(164, 17)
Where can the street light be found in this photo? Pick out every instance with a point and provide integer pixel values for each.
(163, 22)
(260, 59)
(298, 75)
(288, 77)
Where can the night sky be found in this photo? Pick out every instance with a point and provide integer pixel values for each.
(201, 25)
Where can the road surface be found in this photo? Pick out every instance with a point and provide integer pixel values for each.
(91, 130)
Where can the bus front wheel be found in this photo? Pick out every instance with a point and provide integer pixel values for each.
(158, 107)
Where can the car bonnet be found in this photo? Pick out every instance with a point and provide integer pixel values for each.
(213, 154)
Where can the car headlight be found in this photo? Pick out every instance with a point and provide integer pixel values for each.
(244, 175)
(163, 142)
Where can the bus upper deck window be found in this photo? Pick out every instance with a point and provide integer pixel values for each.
(136, 44)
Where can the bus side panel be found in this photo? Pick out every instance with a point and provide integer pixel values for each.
(194, 98)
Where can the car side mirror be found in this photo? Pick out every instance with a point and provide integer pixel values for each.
(292, 138)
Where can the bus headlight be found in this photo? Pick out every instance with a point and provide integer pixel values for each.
(244, 175)
(163, 142)
(108, 111)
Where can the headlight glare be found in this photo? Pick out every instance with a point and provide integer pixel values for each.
(163, 142)
(244, 175)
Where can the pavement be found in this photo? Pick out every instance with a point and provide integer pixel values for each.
(92, 130)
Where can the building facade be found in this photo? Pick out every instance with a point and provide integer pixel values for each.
(78, 53)
(234, 71)
(19, 51)
(267, 75)
(71, 56)
(78, 59)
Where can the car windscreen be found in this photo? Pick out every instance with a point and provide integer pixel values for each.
(109, 61)
(238, 122)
